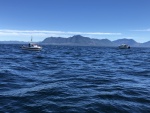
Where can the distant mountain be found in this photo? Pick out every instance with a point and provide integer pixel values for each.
(130, 42)
(12, 42)
(103, 42)
(146, 44)
(80, 40)
(77, 40)
(16, 42)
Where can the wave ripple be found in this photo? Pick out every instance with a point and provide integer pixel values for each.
(74, 79)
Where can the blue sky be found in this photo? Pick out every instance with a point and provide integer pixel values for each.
(111, 19)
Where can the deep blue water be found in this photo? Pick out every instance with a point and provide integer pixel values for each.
(67, 79)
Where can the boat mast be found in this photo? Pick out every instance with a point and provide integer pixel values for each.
(31, 38)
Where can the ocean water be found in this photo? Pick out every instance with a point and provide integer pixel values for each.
(68, 79)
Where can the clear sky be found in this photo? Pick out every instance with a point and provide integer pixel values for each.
(111, 19)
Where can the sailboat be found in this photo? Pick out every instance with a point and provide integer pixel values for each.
(31, 46)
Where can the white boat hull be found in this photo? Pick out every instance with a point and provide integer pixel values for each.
(32, 48)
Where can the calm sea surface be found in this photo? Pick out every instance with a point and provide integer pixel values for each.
(67, 79)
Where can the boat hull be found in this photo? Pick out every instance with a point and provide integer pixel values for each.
(32, 48)
(124, 46)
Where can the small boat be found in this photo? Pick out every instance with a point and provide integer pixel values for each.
(124, 46)
(31, 46)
